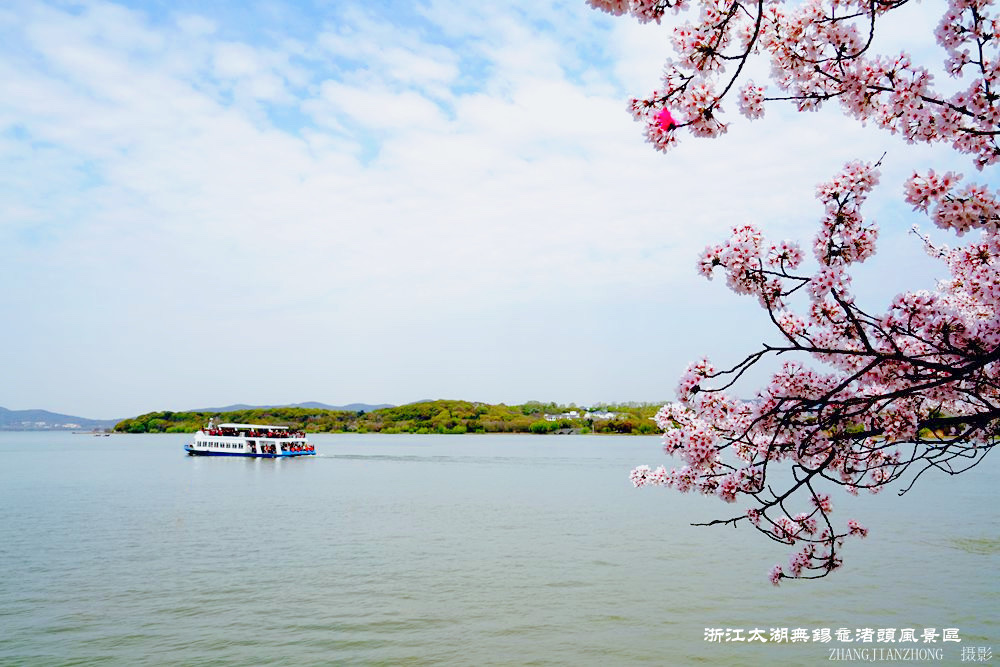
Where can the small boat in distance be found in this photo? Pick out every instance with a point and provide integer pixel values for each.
(253, 440)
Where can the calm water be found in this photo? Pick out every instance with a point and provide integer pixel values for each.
(462, 550)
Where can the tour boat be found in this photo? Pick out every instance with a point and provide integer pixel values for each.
(254, 440)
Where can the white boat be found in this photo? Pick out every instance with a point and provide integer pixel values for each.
(263, 441)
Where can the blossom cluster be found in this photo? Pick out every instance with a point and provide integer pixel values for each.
(818, 51)
(929, 362)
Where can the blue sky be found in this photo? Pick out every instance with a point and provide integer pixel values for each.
(209, 203)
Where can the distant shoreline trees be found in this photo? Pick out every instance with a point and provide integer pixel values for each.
(443, 417)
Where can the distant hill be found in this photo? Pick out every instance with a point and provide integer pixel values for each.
(312, 405)
(43, 420)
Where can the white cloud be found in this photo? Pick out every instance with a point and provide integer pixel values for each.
(376, 106)
(435, 207)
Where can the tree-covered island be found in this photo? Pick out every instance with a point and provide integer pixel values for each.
(442, 416)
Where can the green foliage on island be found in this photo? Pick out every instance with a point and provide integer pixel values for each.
(442, 416)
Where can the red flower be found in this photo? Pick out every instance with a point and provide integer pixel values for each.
(665, 121)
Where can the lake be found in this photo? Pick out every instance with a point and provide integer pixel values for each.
(452, 550)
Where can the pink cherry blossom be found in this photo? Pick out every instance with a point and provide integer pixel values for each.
(855, 528)
(893, 393)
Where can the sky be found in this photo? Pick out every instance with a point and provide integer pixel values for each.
(276, 202)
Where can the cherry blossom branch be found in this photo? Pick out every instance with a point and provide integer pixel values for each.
(894, 394)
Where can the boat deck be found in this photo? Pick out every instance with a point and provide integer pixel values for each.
(252, 455)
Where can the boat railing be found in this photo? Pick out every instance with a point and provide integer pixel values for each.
(275, 435)
(297, 448)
